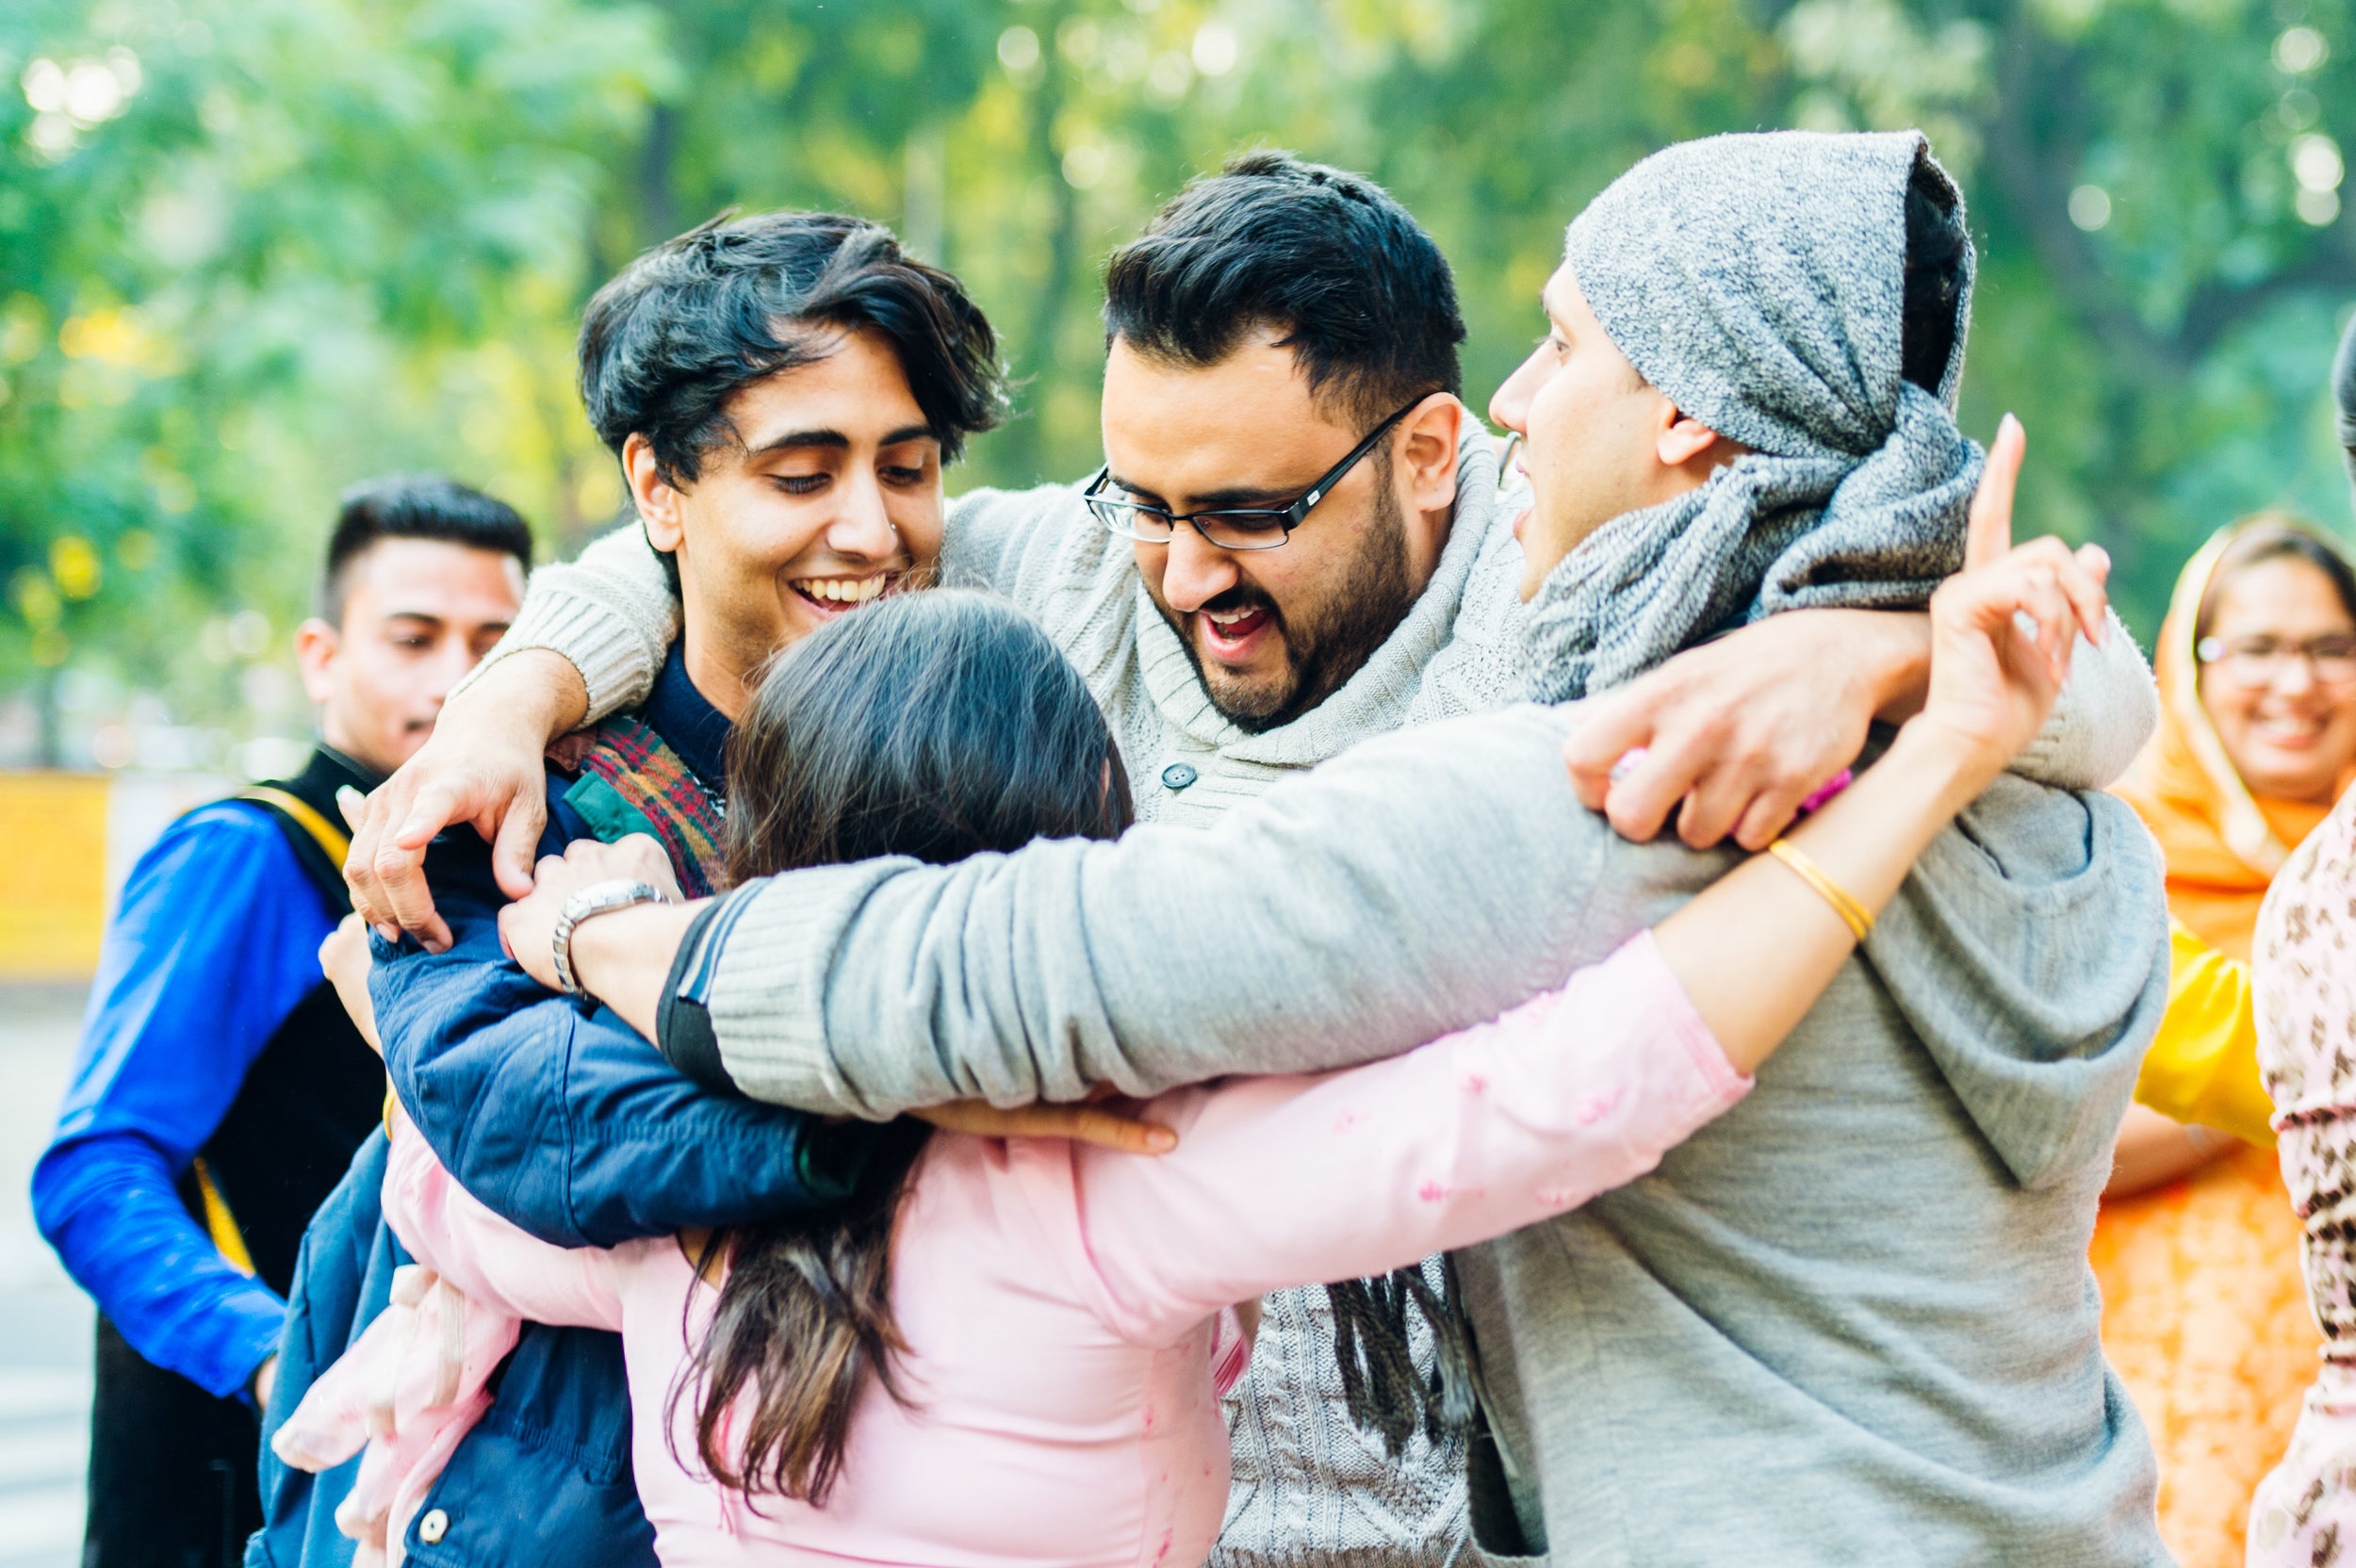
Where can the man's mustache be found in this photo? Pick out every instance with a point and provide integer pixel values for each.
(1239, 598)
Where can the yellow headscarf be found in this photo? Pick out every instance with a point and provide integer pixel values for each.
(2222, 843)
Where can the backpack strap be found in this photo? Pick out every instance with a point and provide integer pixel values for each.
(320, 846)
(305, 808)
(332, 842)
(219, 1223)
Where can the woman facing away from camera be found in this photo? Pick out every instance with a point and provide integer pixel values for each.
(1008, 1349)
(2204, 1314)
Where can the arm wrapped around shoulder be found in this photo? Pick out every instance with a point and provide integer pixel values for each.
(613, 612)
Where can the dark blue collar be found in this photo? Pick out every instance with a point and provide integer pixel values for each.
(693, 728)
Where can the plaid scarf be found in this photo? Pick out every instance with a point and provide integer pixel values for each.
(631, 781)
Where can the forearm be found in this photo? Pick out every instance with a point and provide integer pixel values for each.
(1756, 949)
(536, 691)
(1280, 1182)
(2153, 1151)
(609, 617)
(109, 1207)
(1895, 646)
(623, 959)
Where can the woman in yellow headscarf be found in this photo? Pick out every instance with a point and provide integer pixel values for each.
(2204, 1314)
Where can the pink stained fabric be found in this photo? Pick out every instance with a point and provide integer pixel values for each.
(1066, 1308)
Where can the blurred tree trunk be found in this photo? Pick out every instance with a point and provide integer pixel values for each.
(1025, 439)
(658, 196)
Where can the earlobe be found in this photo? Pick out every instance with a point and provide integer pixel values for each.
(316, 643)
(1430, 452)
(1684, 439)
(656, 500)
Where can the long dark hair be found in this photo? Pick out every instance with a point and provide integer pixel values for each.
(936, 725)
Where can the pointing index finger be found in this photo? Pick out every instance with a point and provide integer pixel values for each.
(1991, 532)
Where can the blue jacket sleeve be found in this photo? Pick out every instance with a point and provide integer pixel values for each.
(568, 1123)
(216, 939)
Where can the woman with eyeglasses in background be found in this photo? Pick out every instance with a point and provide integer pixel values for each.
(2204, 1315)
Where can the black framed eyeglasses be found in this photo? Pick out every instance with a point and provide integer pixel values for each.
(1229, 528)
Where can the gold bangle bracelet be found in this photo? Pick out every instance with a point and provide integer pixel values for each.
(1856, 916)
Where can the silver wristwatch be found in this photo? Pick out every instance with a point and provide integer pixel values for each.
(598, 898)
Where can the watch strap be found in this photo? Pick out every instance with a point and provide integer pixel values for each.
(598, 898)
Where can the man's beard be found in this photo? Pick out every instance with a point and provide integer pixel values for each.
(1325, 642)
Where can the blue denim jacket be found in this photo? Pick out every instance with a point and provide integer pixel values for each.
(571, 1125)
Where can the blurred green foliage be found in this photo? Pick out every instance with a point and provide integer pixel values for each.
(252, 250)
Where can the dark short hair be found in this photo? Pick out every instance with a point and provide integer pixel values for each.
(2275, 535)
(1938, 248)
(1359, 291)
(936, 725)
(415, 506)
(667, 343)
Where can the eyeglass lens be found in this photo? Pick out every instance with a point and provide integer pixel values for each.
(2260, 660)
(1234, 530)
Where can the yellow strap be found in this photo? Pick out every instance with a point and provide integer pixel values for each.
(1856, 916)
(222, 1223)
(218, 1219)
(330, 839)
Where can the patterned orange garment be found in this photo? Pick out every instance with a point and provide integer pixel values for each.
(2205, 1312)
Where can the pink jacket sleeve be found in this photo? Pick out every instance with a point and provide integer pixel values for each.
(1280, 1182)
(488, 1261)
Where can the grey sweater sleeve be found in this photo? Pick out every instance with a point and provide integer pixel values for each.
(1325, 924)
(2101, 717)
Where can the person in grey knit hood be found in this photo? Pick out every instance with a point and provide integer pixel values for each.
(1851, 1320)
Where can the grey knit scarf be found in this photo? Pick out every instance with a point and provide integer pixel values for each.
(1757, 281)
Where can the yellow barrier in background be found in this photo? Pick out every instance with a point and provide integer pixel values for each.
(53, 874)
(67, 840)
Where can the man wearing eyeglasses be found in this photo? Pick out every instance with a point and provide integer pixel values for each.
(1298, 541)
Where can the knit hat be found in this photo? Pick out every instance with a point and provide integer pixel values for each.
(1759, 281)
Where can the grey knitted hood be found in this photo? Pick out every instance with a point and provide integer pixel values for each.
(1757, 281)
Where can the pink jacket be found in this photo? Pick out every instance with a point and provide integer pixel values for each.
(1063, 1305)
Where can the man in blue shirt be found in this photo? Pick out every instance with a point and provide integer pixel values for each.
(220, 1089)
